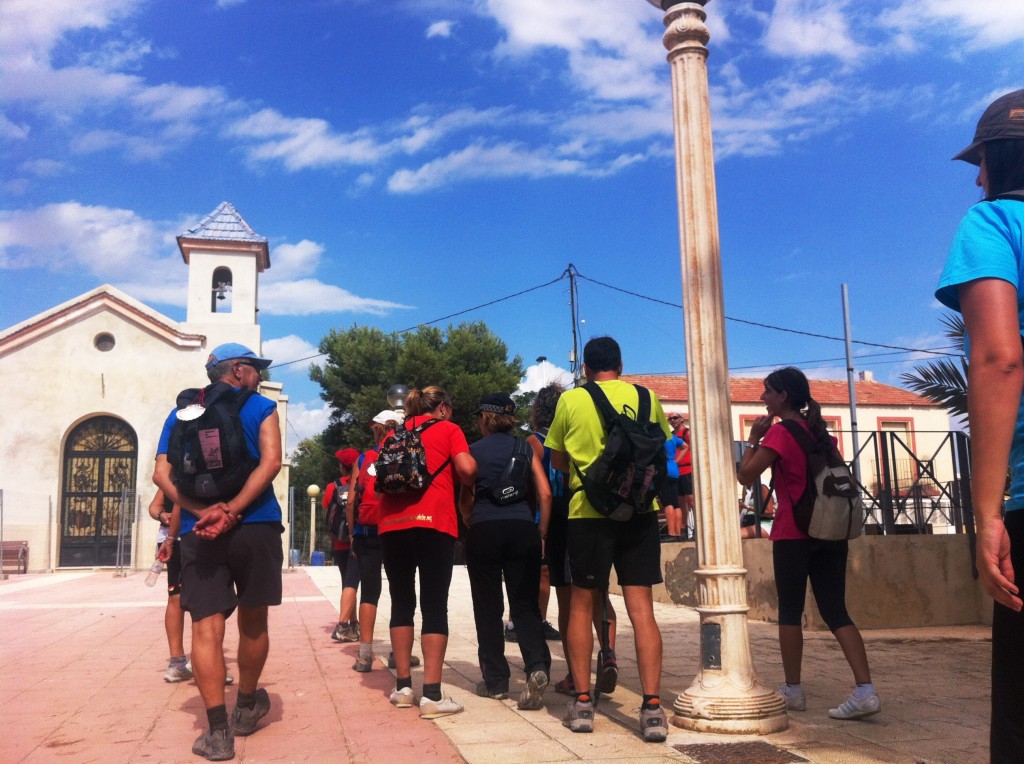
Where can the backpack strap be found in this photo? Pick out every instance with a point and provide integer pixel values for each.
(420, 429)
(604, 406)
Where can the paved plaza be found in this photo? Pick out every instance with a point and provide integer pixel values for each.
(83, 654)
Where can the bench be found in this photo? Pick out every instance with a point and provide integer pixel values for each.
(15, 556)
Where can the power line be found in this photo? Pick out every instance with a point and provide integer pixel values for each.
(759, 324)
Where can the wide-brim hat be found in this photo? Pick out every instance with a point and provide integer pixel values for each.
(1004, 118)
(387, 415)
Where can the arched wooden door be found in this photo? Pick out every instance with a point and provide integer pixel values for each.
(100, 460)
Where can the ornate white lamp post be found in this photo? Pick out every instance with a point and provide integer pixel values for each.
(312, 492)
(726, 696)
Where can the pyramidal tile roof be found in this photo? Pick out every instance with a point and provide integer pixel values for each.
(824, 391)
(224, 224)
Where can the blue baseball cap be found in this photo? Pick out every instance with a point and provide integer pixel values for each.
(231, 351)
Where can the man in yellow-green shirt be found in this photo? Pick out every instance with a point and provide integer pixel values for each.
(595, 543)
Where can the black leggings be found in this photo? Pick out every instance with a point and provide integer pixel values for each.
(368, 556)
(431, 553)
(824, 562)
(1006, 731)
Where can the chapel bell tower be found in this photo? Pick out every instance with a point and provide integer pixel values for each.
(224, 257)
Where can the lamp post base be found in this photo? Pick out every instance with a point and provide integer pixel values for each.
(756, 710)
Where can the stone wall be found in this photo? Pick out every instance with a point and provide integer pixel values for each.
(892, 582)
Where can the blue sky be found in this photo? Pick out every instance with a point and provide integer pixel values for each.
(412, 158)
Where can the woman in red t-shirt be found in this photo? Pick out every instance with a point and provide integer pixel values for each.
(418, 532)
(797, 557)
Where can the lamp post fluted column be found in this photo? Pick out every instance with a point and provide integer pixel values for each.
(726, 695)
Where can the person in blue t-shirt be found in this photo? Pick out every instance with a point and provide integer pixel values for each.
(231, 557)
(982, 280)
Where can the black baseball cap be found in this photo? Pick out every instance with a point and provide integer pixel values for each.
(497, 403)
(1004, 118)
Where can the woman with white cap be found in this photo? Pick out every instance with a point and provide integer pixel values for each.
(983, 280)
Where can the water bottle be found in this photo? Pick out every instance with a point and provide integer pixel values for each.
(154, 573)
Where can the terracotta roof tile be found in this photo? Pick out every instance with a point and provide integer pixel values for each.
(824, 391)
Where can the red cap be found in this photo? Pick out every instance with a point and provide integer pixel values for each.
(347, 456)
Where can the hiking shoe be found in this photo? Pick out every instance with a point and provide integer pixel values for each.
(402, 698)
(435, 709)
(510, 633)
(346, 633)
(579, 716)
(607, 672)
(851, 708)
(413, 661)
(653, 724)
(243, 720)
(794, 697)
(215, 745)
(533, 696)
(550, 632)
(485, 692)
(363, 665)
(228, 679)
(177, 672)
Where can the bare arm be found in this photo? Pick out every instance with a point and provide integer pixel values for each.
(560, 461)
(465, 468)
(542, 490)
(995, 382)
(756, 459)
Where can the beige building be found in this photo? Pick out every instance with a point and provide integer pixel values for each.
(88, 385)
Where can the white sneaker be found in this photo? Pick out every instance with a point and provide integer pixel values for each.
(434, 709)
(851, 708)
(402, 698)
(794, 697)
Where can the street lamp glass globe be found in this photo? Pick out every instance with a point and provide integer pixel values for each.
(396, 397)
(313, 491)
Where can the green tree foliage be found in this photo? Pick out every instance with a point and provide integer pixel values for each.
(362, 363)
(311, 463)
(944, 381)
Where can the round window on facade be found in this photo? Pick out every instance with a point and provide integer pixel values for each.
(104, 342)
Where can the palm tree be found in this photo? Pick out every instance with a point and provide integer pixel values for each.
(944, 381)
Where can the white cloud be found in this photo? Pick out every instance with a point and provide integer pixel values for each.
(480, 161)
(307, 297)
(304, 421)
(289, 261)
(984, 23)
(803, 28)
(41, 168)
(440, 29)
(104, 241)
(543, 374)
(291, 355)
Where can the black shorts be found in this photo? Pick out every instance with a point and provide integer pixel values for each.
(240, 567)
(669, 493)
(556, 554)
(174, 570)
(633, 547)
(686, 484)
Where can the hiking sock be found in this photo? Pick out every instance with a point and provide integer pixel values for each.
(583, 697)
(246, 700)
(366, 650)
(217, 717)
(432, 691)
(401, 683)
(865, 690)
(650, 701)
(178, 661)
(609, 656)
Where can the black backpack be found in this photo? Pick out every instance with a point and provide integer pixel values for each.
(628, 474)
(402, 461)
(337, 517)
(208, 456)
(514, 483)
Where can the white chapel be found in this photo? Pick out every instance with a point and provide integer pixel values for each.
(88, 385)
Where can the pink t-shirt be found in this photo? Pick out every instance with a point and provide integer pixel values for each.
(789, 472)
